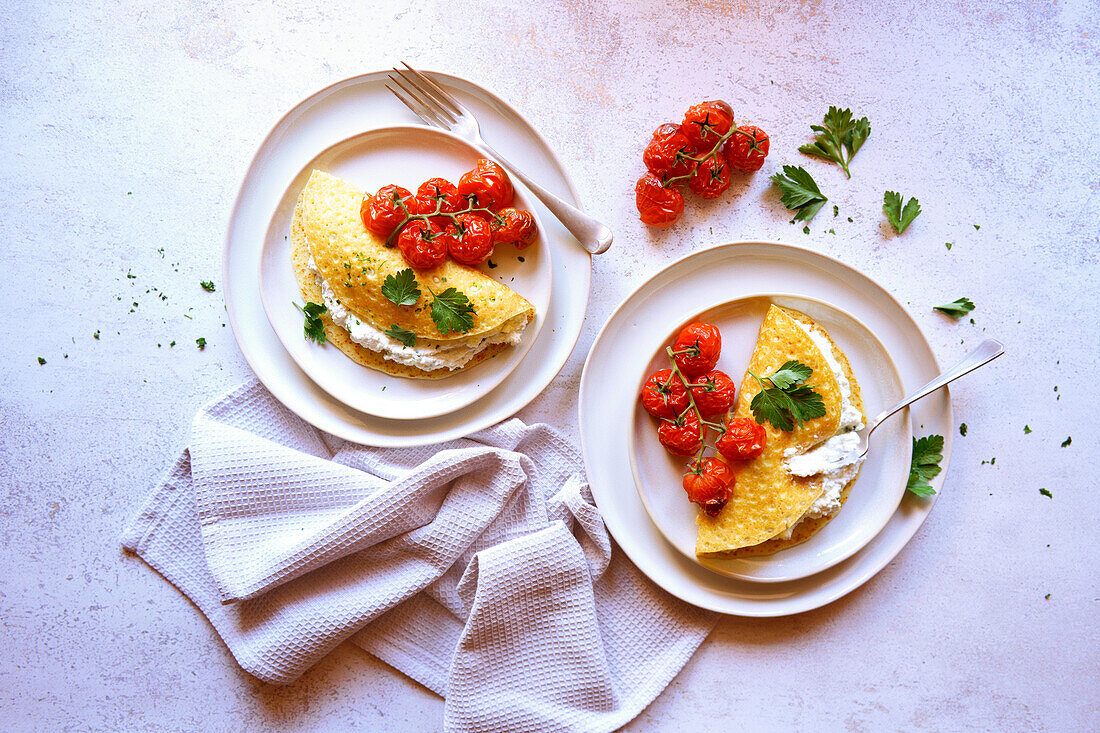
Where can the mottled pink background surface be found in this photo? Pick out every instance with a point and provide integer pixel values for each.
(124, 129)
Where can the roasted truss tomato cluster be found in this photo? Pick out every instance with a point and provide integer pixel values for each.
(699, 153)
(691, 398)
(466, 221)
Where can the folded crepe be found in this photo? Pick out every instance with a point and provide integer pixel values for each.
(342, 265)
(771, 509)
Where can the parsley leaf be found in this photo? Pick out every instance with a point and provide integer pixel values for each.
(793, 372)
(956, 308)
(787, 400)
(1027, 430)
(401, 289)
(962, 429)
(1066, 442)
(452, 311)
(313, 328)
(41, 361)
(200, 342)
(396, 332)
(207, 285)
(927, 454)
(900, 217)
(1046, 493)
(800, 192)
(839, 137)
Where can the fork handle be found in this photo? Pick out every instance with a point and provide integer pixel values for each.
(987, 351)
(593, 235)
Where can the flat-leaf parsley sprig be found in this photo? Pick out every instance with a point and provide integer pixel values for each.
(800, 192)
(401, 289)
(900, 217)
(313, 328)
(452, 311)
(927, 454)
(956, 308)
(784, 399)
(839, 137)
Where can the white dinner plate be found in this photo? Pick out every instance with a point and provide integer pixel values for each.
(406, 156)
(340, 112)
(874, 496)
(607, 411)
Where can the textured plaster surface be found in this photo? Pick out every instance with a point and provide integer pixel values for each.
(125, 130)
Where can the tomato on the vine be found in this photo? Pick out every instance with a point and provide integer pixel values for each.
(487, 185)
(470, 242)
(711, 178)
(747, 148)
(681, 436)
(439, 190)
(713, 393)
(382, 214)
(706, 122)
(697, 348)
(666, 151)
(664, 394)
(744, 438)
(423, 244)
(658, 206)
(709, 483)
(513, 226)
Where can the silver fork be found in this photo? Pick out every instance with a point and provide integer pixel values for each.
(431, 103)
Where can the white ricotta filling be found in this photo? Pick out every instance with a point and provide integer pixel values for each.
(837, 459)
(426, 354)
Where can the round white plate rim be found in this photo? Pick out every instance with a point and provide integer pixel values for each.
(806, 598)
(837, 557)
(349, 425)
(410, 412)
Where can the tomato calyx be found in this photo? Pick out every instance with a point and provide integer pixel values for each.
(755, 145)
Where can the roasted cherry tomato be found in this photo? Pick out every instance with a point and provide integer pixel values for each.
(747, 148)
(423, 244)
(487, 185)
(440, 189)
(709, 483)
(697, 348)
(664, 156)
(382, 214)
(711, 178)
(513, 226)
(713, 393)
(664, 394)
(471, 241)
(681, 436)
(744, 438)
(658, 206)
(705, 123)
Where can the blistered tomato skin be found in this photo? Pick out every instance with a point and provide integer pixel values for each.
(658, 206)
(664, 395)
(471, 242)
(487, 185)
(682, 436)
(747, 148)
(666, 151)
(709, 483)
(423, 245)
(713, 393)
(705, 123)
(697, 348)
(744, 439)
(383, 213)
(514, 226)
(711, 178)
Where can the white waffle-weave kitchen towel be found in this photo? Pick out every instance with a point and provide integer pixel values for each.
(480, 567)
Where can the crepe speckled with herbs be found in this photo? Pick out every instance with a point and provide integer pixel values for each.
(327, 224)
(768, 500)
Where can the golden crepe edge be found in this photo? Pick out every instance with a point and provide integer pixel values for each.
(709, 542)
(450, 271)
